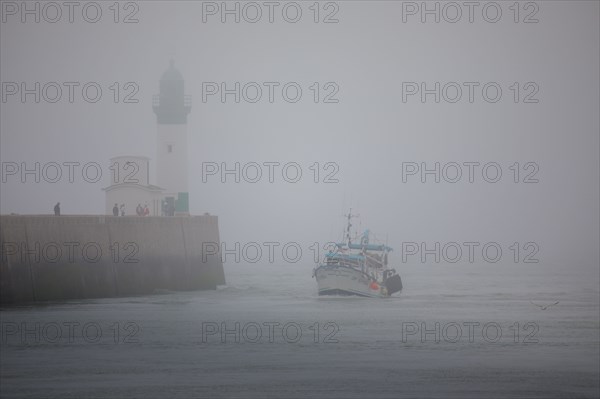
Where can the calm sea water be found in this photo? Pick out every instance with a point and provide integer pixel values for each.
(267, 334)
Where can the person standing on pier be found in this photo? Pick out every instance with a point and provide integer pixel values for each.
(115, 210)
(57, 209)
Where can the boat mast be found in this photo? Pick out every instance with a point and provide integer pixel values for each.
(349, 216)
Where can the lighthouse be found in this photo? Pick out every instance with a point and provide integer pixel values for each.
(172, 107)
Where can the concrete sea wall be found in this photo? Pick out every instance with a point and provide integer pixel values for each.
(46, 258)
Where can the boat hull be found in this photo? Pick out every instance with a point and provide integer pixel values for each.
(344, 280)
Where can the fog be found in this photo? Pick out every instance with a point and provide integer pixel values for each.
(465, 135)
(367, 135)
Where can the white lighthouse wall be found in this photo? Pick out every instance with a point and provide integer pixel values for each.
(129, 169)
(172, 158)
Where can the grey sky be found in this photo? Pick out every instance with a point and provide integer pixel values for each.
(368, 134)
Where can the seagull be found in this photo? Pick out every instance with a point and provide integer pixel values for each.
(544, 307)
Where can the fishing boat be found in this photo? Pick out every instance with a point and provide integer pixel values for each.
(357, 268)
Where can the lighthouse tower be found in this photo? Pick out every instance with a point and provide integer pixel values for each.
(171, 107)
